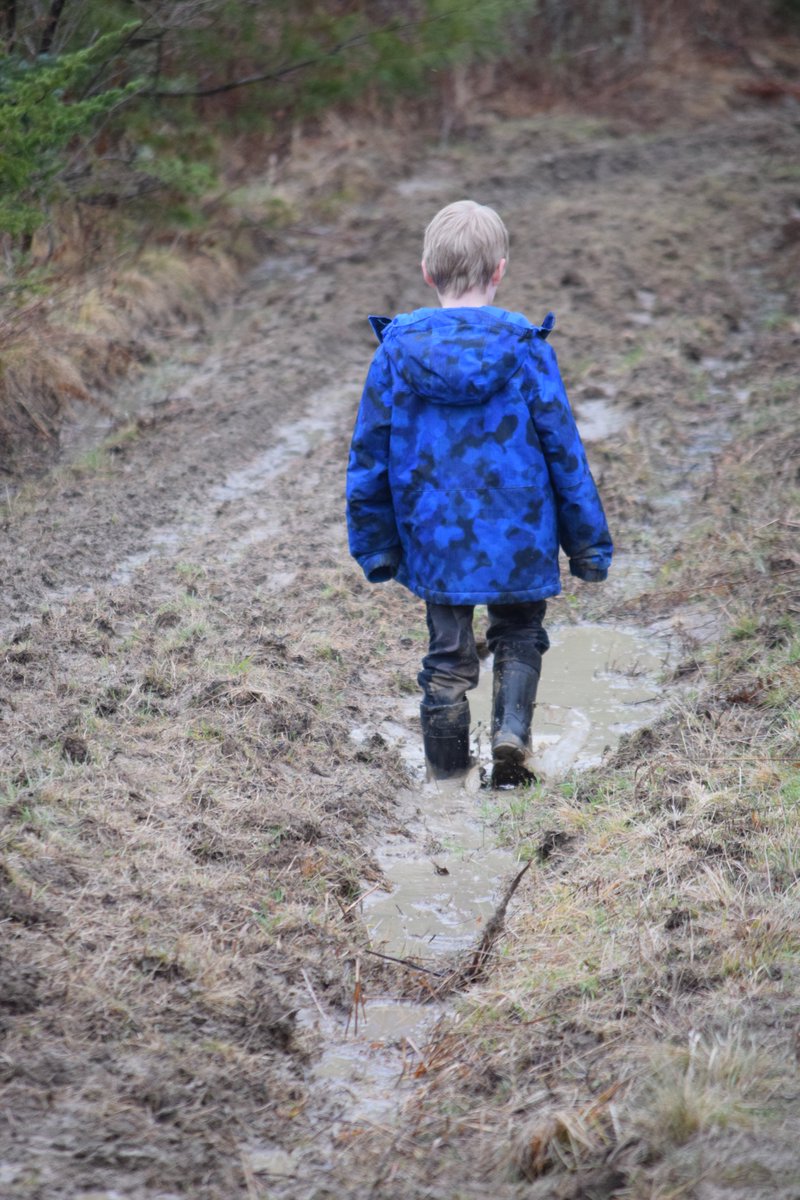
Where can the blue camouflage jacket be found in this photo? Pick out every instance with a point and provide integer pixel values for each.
(466, 468)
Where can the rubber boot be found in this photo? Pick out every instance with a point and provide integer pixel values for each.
(513, 697)
(445, 735)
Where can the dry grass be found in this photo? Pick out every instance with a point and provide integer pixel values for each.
(181, 835)
(89, 333)
(706, 1085)
(100, 309)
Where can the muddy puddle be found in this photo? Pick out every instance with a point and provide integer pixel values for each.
(446, 869)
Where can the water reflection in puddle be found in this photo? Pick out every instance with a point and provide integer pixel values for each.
(370, 1068)
(598, 419)
(441, 896)
(597, 683)
(445, 871)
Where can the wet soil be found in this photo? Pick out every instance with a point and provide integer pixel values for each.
(207, 714)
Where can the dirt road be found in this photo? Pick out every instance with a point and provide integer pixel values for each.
(187, 820)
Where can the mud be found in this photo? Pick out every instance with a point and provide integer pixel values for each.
(598, 684)
(186, 892)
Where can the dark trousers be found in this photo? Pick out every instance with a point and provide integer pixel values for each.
(451, 666)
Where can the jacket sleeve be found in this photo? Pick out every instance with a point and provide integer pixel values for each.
(371, 525)
(582, 528)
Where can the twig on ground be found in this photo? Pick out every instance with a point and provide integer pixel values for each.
(363, 896)
(358, 1001)
(494, 928)
(406, 962)
(312, 994)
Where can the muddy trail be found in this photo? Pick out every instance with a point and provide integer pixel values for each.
(212, 806)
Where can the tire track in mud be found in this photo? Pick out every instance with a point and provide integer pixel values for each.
(187, 821)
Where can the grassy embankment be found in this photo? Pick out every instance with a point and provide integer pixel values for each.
(145, 159)
(127, 284)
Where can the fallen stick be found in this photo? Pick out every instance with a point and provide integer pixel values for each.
(363, 896)
(406, 962)
(494, 928)
(312, 994)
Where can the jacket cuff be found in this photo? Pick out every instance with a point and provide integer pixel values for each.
(379, 568)
(587, 571)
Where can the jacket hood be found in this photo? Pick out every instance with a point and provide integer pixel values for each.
(460, 356)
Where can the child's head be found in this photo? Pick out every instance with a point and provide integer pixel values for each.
(464, 244)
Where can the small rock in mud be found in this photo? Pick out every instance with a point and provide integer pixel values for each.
(271, 1162)
(677, 917)
(18, 989)
(76, 749)
(552, 840)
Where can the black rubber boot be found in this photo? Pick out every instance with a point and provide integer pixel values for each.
(445, 734)
(513, 697)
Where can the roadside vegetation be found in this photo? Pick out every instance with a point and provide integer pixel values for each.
(138, 154)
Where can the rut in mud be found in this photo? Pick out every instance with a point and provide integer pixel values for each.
(203, 705)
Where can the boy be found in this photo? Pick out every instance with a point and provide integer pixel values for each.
(466, 471)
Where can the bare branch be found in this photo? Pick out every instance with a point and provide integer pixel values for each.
(291, 68)
(8, 8)
(267, 76)
(53, 18)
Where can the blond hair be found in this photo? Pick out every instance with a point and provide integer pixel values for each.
(463, 246)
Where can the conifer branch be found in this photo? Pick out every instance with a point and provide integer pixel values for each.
(304, 64)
